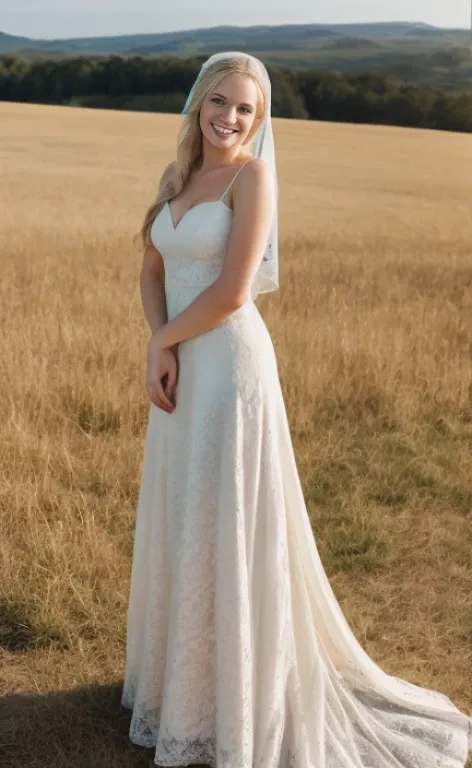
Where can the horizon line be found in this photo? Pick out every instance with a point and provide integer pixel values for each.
(240, 26)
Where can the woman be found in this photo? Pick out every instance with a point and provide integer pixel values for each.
(238, 654)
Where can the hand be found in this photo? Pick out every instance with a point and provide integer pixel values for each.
(161, 374)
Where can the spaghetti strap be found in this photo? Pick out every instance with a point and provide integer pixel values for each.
(233, 179)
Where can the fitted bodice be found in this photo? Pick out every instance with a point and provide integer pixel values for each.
(193, 251)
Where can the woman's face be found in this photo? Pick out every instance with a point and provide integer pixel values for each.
(228, 112)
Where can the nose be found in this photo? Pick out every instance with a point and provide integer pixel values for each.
(230, 114)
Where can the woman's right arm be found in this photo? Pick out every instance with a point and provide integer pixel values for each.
(160, 365)
(151, 283)
(152, 280)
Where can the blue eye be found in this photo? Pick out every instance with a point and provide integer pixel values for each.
(218, 100)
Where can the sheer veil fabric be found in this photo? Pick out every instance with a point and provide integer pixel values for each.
(238, 654)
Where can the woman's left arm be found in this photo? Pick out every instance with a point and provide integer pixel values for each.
(253, 208)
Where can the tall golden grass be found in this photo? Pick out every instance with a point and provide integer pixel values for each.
(373, 333)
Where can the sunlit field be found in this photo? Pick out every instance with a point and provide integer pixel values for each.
(372, 328)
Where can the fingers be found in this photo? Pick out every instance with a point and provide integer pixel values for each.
(163, 395)
(170, 384)
(162, 374)
(169, 391)
(155, 390)
(154, 397)
(172, 376)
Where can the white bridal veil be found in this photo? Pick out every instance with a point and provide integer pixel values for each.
(262, 145)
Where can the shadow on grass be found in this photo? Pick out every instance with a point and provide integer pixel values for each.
(20, 629)
(84, 728)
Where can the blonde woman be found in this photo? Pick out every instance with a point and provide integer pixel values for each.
(238, 654)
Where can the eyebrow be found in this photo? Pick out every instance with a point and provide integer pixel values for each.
(243, 104)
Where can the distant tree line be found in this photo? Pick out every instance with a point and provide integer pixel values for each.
(161, 84)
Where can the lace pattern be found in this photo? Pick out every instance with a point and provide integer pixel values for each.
(238, 654)
(179, 272)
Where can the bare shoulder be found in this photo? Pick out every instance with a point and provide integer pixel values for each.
(256, 169)
(255, 173)
(255, 179)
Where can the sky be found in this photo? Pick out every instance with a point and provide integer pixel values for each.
(76, 18)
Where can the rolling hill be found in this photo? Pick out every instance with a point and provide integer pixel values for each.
(301, 37)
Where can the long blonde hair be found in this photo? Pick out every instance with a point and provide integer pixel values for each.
(190, 141)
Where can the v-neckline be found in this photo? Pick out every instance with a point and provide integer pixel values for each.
(203, 202)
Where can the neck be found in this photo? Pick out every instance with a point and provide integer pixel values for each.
(213, 157)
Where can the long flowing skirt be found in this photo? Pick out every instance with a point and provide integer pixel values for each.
(238, 653)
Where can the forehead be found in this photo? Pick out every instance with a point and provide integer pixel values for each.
(237, 87)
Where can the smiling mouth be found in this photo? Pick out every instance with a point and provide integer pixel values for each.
(220, 131)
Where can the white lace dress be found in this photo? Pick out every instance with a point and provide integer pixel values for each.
(238, 654)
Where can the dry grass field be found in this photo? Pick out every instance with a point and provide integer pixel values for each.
(373, 333)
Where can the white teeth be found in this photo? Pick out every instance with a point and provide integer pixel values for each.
(224, 131)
